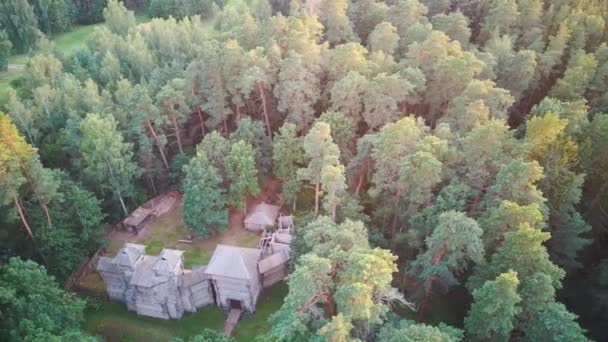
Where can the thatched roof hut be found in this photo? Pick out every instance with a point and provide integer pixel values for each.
(262, 216)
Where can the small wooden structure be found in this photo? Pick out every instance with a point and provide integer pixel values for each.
(138, 219)
(153, 208)
(233, 272)
(273, 269)
(285, 222)
(263, 215)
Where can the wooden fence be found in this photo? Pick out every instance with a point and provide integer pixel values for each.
(84, 269)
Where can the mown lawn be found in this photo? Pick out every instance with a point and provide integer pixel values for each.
(114, 323)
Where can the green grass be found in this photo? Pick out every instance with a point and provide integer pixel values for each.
(113, 322)
(69, 42)
(257, 324)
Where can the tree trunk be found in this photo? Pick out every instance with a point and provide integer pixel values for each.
(122, 203)
(238, 112)
(264, 106)
(226, 127)
(200, 119)
(46, 212)
(43, 204)
(28, 229)
(360, 184)
(153, 183)
(329, 304)
(294, 204)
(179, 140)
(317, 199)
(333, 213)
(427, 296)
(160, 148)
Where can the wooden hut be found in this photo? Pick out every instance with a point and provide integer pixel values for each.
(235, 282)
(138, 219)
(263, 215)
(273, 269)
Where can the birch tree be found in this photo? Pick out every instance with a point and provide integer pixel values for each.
(320, 151)
(107, 159)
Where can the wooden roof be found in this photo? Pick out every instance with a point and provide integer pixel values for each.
(234, 262)
(263, 214)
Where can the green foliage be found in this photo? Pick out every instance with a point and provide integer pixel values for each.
(297, 90)
(216, 148)
(554, 323)
(338, 25)
(523, 252)
(409, 331)
(89, 11)
(242, 173)
(208, 335)
(252, 132)
(351, 280)
(5, 50)
(384, 38)
(33, 307)
(77, 228)
(288, 156)
(495, 305)
(106, 159)
(118, 19)
(342, 132)
(455, 242)
(54, 16)
(18, 19)
(321, 152)
(204, 200)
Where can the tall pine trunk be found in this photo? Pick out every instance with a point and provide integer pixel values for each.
(160, 148)
(265, 107)
(317, 198)
(200, 119)
(27, 227)
(179, 140)
(122, 204)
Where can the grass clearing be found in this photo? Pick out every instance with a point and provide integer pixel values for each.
(114, 323)
(257, 324)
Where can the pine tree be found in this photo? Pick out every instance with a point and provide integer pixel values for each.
(242, 173)
(107, 160)
(320, 151)
(204, 199)
(494, 308)
(288, 156)
(338, 26)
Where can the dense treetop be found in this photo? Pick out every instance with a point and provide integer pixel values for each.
(426, 147)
